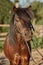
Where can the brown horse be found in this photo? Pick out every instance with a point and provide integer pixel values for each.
(15, 47)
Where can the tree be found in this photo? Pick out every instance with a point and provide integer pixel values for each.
(37, 7)
(5, 7)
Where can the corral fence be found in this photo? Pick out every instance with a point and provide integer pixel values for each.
(3, 34)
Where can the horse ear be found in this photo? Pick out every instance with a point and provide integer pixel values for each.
(14, 9)
(30, 7)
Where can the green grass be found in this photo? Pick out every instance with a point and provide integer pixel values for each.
(40, 22)
(38, 42)
(1, 45)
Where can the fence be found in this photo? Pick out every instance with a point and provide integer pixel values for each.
(2, 35)
(39, 29)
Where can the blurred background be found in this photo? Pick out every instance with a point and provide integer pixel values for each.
(5, 17)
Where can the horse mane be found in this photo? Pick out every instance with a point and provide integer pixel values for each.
(12, 32)
(12, 23)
